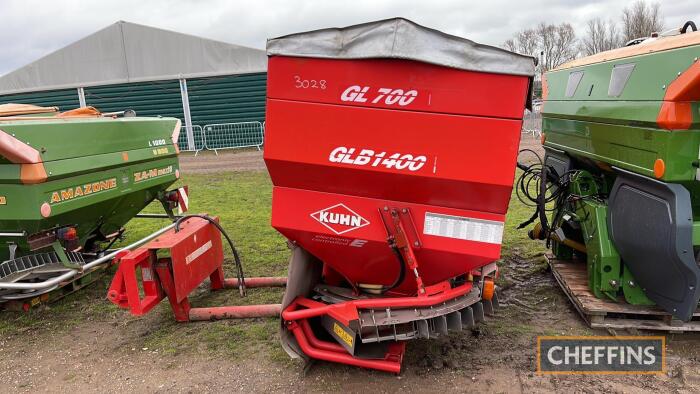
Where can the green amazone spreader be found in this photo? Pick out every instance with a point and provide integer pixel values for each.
(622, 170)
(69, 182)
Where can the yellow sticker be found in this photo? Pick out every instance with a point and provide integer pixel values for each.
(3, 200)
(342, 334)
(83, 190)
(152, 173)
(160, 151)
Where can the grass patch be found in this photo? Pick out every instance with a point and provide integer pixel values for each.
(242, 200)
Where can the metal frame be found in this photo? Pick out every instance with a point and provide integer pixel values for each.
(198, 146)
(186, 111)
(532, 121)
(196, 254)
(81, 97)
(102, 260)
(234, 135)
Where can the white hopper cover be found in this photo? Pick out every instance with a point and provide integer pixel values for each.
(401, 39)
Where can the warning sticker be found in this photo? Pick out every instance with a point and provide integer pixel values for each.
(198, 253)
(459, 227)
(342, 334)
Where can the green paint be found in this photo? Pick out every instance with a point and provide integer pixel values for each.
(601, 131)
(92, 166)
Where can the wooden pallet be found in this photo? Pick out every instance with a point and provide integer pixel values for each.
(600, 313)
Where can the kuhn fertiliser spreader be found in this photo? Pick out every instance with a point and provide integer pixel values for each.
(69, 182)
(392, 149)
(622, 136)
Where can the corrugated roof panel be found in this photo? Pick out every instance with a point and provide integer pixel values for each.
(64, 99)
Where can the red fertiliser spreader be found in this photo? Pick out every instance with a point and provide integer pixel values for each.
(392, 149)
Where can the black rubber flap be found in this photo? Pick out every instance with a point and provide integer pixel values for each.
(650, 224)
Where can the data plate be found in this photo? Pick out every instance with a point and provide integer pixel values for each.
(468, 229)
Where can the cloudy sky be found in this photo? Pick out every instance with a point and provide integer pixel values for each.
(31, 29)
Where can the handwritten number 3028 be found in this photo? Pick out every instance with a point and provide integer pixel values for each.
(300, 83)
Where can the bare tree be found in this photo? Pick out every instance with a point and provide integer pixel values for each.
(641, 19)
(558, 44)
(600, 36)
(525, 42)
(554, 44)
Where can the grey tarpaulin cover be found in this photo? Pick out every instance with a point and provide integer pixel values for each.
(401, 39)
(128, 52)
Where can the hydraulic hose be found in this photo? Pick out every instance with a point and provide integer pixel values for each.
(402, 269)
(236, 257)
(378, 289)
(688, 24)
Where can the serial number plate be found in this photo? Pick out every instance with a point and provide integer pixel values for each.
(459, 227)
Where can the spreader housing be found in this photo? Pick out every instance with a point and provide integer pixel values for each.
(373, 133)
(375, 150)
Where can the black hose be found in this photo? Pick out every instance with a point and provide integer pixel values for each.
(548, 186)
(688, 24)
(402, 269)
(542, 202)
(236, 257)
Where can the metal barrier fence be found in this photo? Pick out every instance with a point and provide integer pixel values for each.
(198, 139)
(223, 136)
(234, 135)
(532, 121)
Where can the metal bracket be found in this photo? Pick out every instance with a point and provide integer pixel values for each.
(404, 238)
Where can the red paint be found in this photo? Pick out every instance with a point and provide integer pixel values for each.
(465, 155)
(440, 258)
(330, 126)
(279, 281)
(391, 363)
(195, 255)
(346, 311)
(235, 312)
(439, 89)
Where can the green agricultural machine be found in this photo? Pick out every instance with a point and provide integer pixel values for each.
(69, 182)
(622, 170)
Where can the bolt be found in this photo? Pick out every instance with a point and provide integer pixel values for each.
(631, 283)
(679, 73)
(613, 283)
(404, 210)
(695, 60)
(663, 87)
(416, 243)
(386, 208)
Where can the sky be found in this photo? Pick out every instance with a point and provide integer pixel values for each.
(31, 29)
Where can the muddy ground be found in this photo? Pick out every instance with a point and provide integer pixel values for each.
(105, 350)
